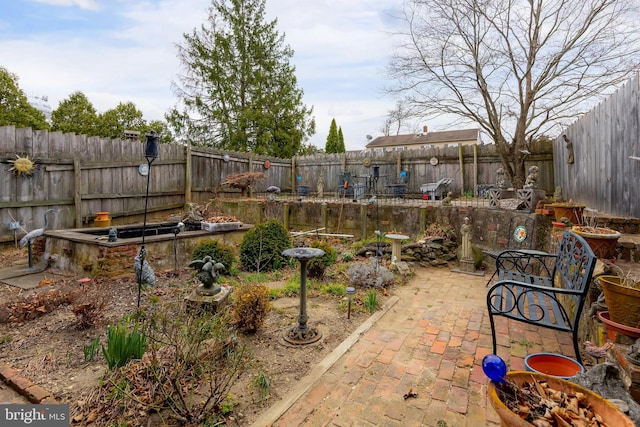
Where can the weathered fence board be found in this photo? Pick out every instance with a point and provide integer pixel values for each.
(106, 174)
(603, 176)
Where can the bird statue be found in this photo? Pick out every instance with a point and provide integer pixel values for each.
(144, 272)
(208, 273)
(33, 234)
(597, 352)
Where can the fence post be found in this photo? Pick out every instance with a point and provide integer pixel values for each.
(363, 220)
(324, 216)
(423, 218)
(285, 220)
(77, 196)
(187, 173)
(461, 160)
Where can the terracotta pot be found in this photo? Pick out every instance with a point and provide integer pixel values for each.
(553, 364)
(609, 413)
(571, 211)
(614, 327)
(623, 302)
(603, 241)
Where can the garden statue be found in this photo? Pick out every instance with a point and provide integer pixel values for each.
(501, 181)
(144, 272)
(113, 234)
(557, 195)
(321, 186)
(465, 231)
(569, 146)
(532, 178)
(447, 200)
(208, 274)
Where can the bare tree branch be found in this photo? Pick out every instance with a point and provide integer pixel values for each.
(519, 69)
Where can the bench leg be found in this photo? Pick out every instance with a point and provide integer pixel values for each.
(493, 326)
(491, 278)
(575, 344)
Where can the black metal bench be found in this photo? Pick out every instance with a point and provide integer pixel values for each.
(529, 290)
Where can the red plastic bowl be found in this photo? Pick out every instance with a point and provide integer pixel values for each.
(553, 364)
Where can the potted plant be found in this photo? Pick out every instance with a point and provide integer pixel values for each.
(519, 402)
(622, 295)
(602, 240)
(569, 210)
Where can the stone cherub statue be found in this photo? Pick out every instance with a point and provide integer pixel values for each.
(532, 178)
(208, 274)
(447, 200)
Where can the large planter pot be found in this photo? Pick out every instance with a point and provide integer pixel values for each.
(610, 414)
(622, 301)
(571, 211)
(603, 241)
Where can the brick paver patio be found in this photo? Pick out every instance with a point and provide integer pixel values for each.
(431, 342)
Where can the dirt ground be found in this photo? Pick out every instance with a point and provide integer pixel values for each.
(48, 348)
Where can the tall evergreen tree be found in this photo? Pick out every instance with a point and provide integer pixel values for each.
(239, 90)
(341, 147)
(14, 106)
(332, 145)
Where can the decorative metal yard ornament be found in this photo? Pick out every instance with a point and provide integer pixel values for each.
(177, 229)
(22, 166)
(33, 234)
(150, 153)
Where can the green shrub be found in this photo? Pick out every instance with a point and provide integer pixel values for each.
(250, 306)
(219, 252)
(262, 246)
(122, 345)
(316, 266)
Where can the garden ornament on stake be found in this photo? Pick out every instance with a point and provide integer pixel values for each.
(144, 272)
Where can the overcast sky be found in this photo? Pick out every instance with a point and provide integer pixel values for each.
(124, 50)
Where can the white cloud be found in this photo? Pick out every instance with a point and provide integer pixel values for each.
(82, 4)
(341, 49)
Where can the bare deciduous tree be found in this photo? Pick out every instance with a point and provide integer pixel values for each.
(517, 68)
(396, 119)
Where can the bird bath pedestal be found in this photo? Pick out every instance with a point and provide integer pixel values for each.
(302, 334)
(396, 245)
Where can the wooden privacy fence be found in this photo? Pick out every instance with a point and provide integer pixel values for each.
(602, 173)
(80, 175)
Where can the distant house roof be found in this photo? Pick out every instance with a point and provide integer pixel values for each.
(448, 137)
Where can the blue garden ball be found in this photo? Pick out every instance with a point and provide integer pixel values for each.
(494, 368)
